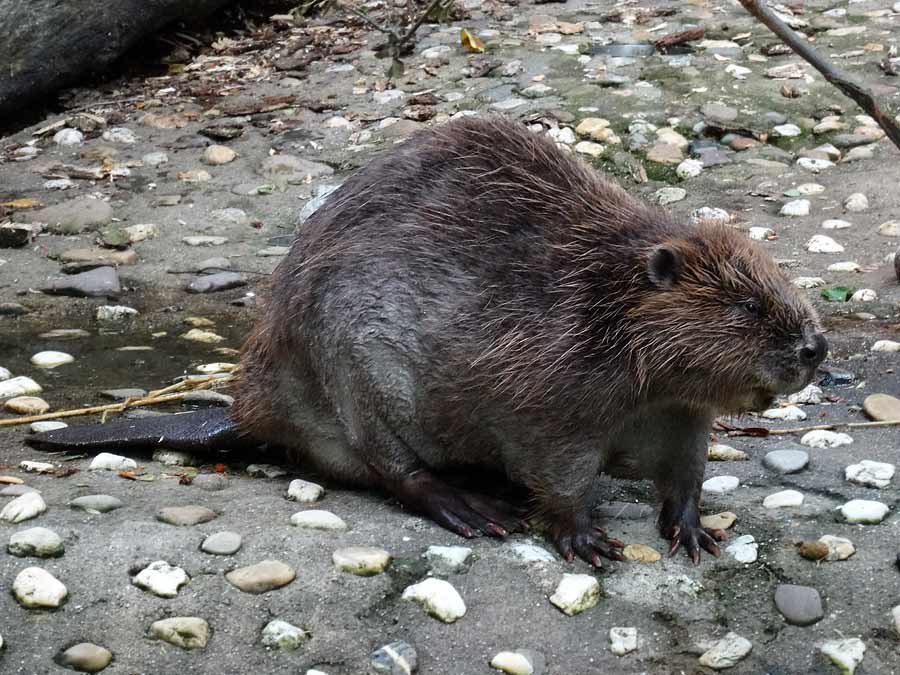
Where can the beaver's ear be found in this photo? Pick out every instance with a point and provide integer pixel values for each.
(664, 266)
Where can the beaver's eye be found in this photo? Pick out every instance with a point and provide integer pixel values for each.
(752, 307)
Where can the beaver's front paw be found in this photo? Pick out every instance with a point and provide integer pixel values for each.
(693, 537)
(577, 535)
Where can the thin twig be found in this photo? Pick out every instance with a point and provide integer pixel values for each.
(737, 431)
(418, 22)
(848, 86)
(170, 393)
(365, 17)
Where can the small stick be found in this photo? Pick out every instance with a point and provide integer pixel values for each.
(160, 396)
(823, 427)
(849, 87)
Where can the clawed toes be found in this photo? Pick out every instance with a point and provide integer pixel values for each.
(694, 539)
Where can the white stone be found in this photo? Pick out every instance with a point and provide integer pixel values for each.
(19, 386)
(896, 614)
(784, 498)
(846, 654)
(835, 224)
(438, 52)
(155, 158)
(820, 243)
(113, 313)
(863, 511)
(589, 148)
(845, 266)
(719, 485)
(727, 652)
(725, 453)
(36, 467)
(531, 553)
(814, 165)
(822, 438)
(563, 135)
(886, 346)
(51, 359)
(36, 588)
(119, 135)
(46, 425)
(23, 507)
(281, 634)
(856, 202)
(669, 195)
(36, 541)
(839, 548)
(512, 663)
(870, 474)
(363, 561)
(576, 593)
(811, 394)
(810, 189)
(318, 520)
(864, 295)
(689, 168)
(710, 214)
(737, 72)
(789, 413)
(890, 229)
(744, 549)
(438, 598)
(761, 233)
(109, 462)
(388, 96)
(304, 491)
(5, 374)
(447, 559)
(161, 578)
(808, 282)
(787, 130)
(68, 137)
(622, 640)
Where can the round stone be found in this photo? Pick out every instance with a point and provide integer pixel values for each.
(786, 461)
(212, 482)
(512, 663)
(261, 577)
(744, 549)
(689, 168)
(445, 560)
(622, 640)
(397, 658)
(318, 520)
(719, 485)
(799, 605)
(24, 507)
(856, 202)
(846, 654)
(185, 515)
(822, 438)
(870, 474)
(718, 521)
(161, 578)
(47, 425)
(863, 511)
(19, 386)
(839, 548)
(811, 394)
(222, 543)
(175, 458)
(820, 243)
(782, 499)
(38, 542)
(27, 405)
(438, 598)
(363, 561)
(727, 652)
(218, 154)
(51, 359)
(882, 407)
(36, 588)
(68, 137)
(669, 195)
(106, 461)
(304, 491)
(85, 657)
(283, 635)
(576, 593)
(96, 503)
(719, 452)
(878, 346)
(187, 632)
(797, 207)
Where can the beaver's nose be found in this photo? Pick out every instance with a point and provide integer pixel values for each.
(813, 350)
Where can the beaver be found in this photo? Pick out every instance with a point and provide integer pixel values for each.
(477, 296)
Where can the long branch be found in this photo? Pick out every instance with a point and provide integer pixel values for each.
(848, 86)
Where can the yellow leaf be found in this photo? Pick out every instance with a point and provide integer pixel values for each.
(471, 42)
(23, 203)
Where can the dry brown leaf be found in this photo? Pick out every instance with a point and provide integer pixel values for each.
(22, 203)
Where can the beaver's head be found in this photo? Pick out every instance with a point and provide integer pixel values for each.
(721, 324)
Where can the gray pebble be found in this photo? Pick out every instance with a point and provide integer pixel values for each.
(800, 605)
(85, 657)
(220, 281)
(99, 282)
(211, 482)
(185, 515)
(122, 394)
(221, 543)
(397, 658)
(39, 542)
(96, 503)
(786, 461)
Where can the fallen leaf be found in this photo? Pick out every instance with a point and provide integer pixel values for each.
(22, 203)
(837, 293)
(131, 475)
(471, 42)
(221, 468)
